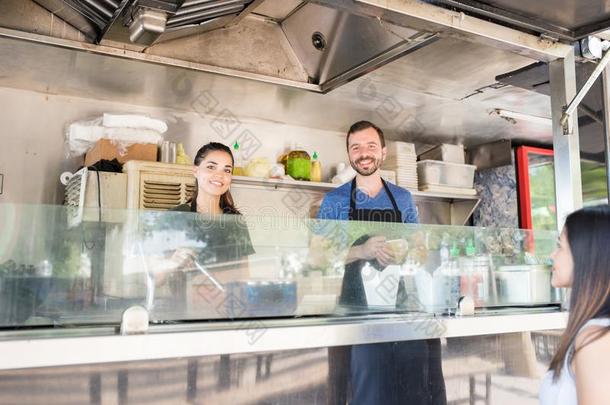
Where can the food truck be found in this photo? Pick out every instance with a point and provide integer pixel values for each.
(495, 120)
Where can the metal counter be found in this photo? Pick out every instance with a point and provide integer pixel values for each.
(46, 348)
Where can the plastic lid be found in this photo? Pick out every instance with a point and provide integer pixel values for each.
(455, 250)
(470, 249)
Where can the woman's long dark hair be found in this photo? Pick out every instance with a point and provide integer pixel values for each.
(588, 233)
(226, 200)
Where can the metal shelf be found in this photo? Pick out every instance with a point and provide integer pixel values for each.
(282, 183)
(324, 187)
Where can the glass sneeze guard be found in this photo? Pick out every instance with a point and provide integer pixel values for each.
(60, 267)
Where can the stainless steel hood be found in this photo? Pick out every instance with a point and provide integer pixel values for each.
(443, 92)
(141, 22)
(91, 17)
(335, 46)
(290, 40)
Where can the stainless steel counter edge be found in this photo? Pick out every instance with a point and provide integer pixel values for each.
(165, 342)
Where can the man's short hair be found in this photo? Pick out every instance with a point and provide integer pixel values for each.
(361, 125)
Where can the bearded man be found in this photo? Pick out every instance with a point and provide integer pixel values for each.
(389, 373)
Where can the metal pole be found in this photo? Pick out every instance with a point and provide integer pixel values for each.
(606, 103)
(568, 187)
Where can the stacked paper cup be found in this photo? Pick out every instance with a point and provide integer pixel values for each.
(402, 159)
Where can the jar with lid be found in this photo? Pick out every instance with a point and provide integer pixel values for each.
(298, 165)
(475, 278)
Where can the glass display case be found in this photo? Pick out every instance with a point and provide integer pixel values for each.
(59, 266)
(240, 309)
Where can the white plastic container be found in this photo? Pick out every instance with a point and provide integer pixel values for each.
(401, 148)
(433, 172)
(388, 175)
(445, 152)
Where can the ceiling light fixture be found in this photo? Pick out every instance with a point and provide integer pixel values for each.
(513, 117)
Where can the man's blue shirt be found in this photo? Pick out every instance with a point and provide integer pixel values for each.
(336, 203)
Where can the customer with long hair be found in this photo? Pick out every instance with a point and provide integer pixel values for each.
(580, 371)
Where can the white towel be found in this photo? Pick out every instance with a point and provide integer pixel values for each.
(381, 287)
(83, 135)
(133, 121)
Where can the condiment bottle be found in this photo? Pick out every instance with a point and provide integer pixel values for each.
(238, 166)
(453, 277)
(472, 281)
(316, 168)
(181, 157)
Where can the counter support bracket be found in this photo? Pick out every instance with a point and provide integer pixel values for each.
(574, 104)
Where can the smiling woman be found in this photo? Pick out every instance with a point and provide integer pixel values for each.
(226, 239)
(213, 173)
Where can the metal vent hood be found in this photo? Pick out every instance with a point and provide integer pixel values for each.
(141, 22)
(291, 42)
(335, 47)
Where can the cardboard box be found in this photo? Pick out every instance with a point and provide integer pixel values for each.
(105, 149)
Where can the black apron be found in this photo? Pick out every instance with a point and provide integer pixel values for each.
(353, 297)
(382, 373)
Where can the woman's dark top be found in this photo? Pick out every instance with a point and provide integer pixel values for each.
(226, 237)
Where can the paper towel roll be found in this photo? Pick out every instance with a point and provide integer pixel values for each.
(344, 176)
(65, 177)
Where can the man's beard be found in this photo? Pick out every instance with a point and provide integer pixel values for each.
(374, 166)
